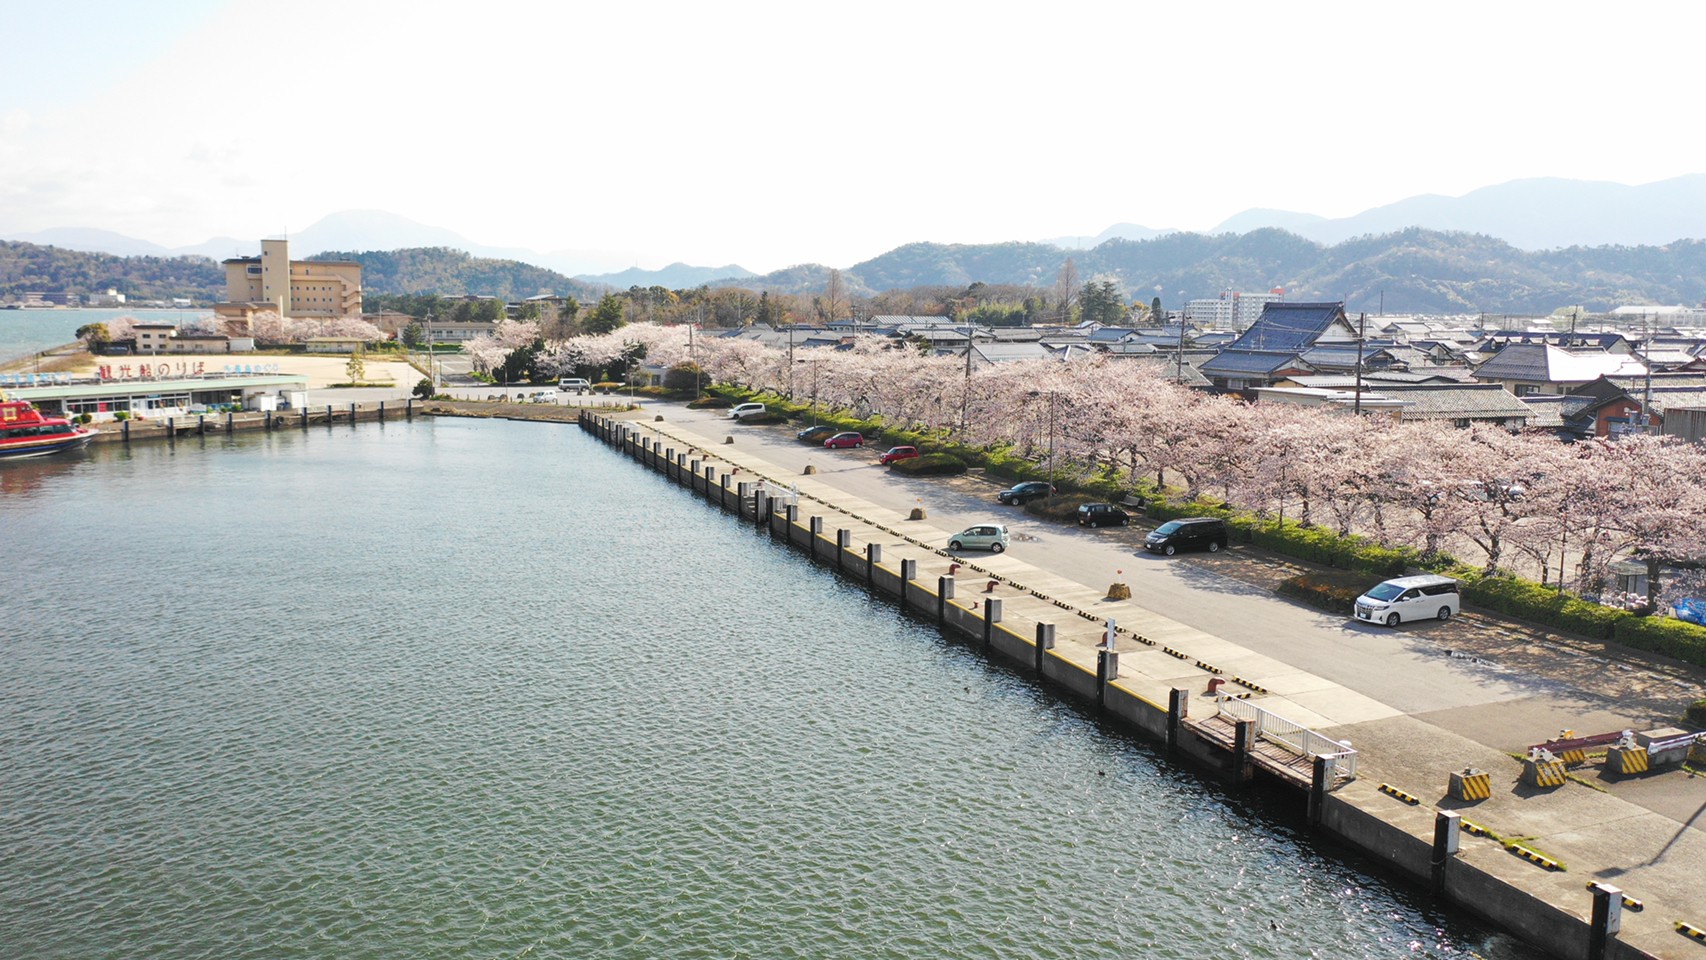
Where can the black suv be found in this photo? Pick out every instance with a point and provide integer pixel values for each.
(817, 434)
(1102, 515)
(1187, 534)
(1025, 492)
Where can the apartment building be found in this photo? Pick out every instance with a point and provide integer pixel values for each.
(293, 288)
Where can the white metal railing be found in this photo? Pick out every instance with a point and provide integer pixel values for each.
(1297, 739)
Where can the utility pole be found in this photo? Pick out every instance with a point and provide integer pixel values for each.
(1179, 351)
(1362, 326)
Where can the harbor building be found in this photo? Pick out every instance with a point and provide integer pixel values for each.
(291, 288)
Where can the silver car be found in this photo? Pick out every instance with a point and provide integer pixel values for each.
(984, 536)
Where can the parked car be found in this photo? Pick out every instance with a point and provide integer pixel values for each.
(577, 384)
(984, 536)
(1188, 533)
(897, 454)
(1102, 515)
(1026, 492)
(1409, 598)
(817, 434)
(746, 410)
(846, 438)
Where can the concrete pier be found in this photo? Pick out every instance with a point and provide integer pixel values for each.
(1048, 625)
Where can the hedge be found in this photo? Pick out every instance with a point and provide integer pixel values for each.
(1530, 601)
(1328, 591)
(1697, 713)
(1673, 638)
(1061, 507)
(930, 465)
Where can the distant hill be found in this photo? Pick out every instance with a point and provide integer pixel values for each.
(454, 273)
(26, 267)
(1533, 214)
(676, 276)
(1411, 271)
(1121, 231)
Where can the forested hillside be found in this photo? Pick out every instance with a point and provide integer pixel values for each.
(450, 273)
(1414, 271)
(28, 267)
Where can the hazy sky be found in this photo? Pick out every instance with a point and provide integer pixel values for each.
(773, 134)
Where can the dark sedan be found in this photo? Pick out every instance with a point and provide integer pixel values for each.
(1026, 492)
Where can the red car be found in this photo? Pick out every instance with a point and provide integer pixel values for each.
(896, 454)
(846, 438)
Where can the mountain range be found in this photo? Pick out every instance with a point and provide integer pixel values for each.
(1535, 214)
(1530, 215)
(1460, 262)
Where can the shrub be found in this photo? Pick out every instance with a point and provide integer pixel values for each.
(1329, 591)
(122, 415)
(930, 465)
(1061, 507)
(1673, 638)
(710, 403)
(1697, 713)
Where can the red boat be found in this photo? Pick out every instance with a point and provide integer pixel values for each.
(24, 432)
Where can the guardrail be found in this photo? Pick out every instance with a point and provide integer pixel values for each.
(1297, 739)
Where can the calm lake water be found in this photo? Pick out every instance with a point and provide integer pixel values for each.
(484, 689)
(24, 332)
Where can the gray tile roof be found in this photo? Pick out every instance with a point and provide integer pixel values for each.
(1556, 409)
(1289, 326)
(1544, 363)
(1241, 363)
(1457, 401)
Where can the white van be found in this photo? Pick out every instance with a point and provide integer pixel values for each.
(577, 384)
(1410, 598)
(746, 410)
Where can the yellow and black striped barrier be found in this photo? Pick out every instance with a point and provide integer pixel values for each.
(1574, 757)
(1539, 859)
(1629, 903)
(1471, 784)
(1542, 772)
(1628, 760)
(1473, 829)
(1691, 931)
(1245, 683)
(1392, 791)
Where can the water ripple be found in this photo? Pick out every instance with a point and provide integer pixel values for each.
(482, 689)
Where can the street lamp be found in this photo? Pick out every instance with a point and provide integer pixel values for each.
(814, 362)
(432, 365)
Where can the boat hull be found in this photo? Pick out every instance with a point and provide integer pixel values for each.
(45, 446)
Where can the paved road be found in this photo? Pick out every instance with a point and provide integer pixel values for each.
(1412, 668)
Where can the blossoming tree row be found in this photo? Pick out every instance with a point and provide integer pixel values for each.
(1515, 499)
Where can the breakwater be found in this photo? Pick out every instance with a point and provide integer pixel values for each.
(1027, 627)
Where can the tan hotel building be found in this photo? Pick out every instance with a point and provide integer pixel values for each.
(294, 288)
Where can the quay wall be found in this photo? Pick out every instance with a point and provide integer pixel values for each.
(1392, 844)
(323, 415)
